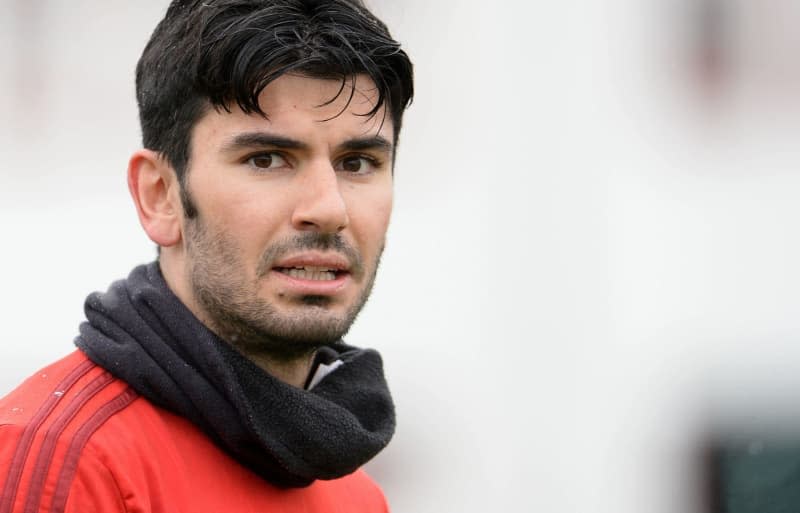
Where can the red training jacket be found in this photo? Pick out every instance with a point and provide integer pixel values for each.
(75, 439)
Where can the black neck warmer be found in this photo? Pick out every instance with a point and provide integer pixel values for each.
(142, 333)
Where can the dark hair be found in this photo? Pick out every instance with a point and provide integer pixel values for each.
(208, 53)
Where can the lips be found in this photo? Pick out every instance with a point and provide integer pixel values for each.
(314, 272)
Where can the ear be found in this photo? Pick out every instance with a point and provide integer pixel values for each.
(154, 187)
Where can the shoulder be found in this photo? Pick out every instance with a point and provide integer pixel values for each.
(68, 384)
(45, 425)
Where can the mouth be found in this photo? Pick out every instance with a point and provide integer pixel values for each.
(311, 273)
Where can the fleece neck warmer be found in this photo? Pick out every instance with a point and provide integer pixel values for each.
(142, 333)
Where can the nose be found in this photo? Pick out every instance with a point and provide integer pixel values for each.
(320, 206)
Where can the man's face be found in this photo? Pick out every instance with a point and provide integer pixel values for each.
(292, 214)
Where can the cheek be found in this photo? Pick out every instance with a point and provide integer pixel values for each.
(249, 220)
(369, 217)
(245, 205)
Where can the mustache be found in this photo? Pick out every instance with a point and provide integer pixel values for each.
(311, 241)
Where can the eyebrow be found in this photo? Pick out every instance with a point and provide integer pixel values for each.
(375, 142)
(262, 140)
(266, 140)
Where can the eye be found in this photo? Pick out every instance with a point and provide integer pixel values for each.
(267, 161)
(358, 164)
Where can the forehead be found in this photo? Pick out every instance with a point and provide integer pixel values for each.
(291, 91)
(299, 106)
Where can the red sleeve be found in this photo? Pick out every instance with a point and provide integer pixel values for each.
(94, 489)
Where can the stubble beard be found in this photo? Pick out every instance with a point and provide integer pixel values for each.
(232, 308)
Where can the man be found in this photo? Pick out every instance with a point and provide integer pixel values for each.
(215, 379)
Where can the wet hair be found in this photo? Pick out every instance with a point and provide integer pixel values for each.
(222, 53)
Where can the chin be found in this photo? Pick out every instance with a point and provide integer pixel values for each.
(318, 301)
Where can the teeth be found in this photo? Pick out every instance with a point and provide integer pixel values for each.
(311, 273)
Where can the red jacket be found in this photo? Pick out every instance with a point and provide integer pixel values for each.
(75, 439)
